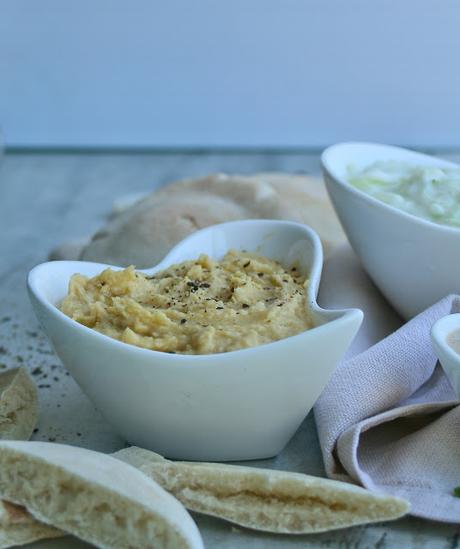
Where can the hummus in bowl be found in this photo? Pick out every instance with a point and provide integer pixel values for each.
(220, 405)
(199, 306)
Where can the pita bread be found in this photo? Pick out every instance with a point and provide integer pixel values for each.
(93, 496)
(70, 250)
(264, 499)
(18, 527)
(18, 417)
(18, 405)
(143, 233)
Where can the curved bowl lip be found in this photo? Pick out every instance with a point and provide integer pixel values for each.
(315, 277)
(439, 332)
(327, 164)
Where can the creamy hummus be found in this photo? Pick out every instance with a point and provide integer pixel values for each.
(195, 307)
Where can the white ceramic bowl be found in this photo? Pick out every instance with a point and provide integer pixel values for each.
(238, 405)
(449, 359)
(413, 261)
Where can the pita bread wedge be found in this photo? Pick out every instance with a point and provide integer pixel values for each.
(264, 499)
(93, 496)
(18, 405)
(18, 527)
(143, 233)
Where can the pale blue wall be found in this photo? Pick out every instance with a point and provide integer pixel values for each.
(241, 72)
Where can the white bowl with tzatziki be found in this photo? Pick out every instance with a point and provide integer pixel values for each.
(401, 212)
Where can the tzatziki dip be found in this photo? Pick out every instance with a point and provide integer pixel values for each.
(424, 191)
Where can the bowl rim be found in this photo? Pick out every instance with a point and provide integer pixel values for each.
(342, 315)
(327, 166)
(440, 331)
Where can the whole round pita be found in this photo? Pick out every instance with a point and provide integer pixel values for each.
(142, 234)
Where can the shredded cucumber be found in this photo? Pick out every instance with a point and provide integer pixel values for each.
(425, 191)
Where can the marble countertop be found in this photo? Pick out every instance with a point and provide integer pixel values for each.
(47, 198)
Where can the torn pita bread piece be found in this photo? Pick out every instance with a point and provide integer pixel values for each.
(265, 499)
(18, 405)
(143, 233)
(18, 527)
(93, 496)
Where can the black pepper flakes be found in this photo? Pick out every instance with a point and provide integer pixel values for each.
(245, 306)
(44, 351)
(193, 286)
(183, 321)
(246, 264)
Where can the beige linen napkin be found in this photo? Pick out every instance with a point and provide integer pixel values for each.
(390, 420)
